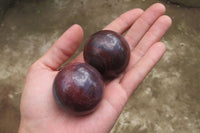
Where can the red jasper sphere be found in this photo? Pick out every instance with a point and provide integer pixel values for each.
(108, 52)
(78, 88)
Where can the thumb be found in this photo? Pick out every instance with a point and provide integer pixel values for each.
(63, 48)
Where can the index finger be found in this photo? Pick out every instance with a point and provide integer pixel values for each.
(120, 25)
(124, 21)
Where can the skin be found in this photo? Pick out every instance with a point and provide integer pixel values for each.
(39, 112)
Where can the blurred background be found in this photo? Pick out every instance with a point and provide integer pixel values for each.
(168, 101)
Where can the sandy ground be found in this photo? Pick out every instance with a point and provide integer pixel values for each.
(168, 101)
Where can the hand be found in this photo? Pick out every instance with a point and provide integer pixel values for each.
(39, 112)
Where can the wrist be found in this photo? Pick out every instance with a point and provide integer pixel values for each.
(32, 126)
(23, 128)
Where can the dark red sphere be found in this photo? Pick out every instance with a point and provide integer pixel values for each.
(108, 52)
(78, 88)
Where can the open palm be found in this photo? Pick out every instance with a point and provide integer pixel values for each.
(39, 112)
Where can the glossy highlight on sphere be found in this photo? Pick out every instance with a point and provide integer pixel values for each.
(78, 88)
(108, 52)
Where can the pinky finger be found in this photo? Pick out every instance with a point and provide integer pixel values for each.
(137, 73)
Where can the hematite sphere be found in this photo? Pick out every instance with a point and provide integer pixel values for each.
(108, 52)
(78, 88)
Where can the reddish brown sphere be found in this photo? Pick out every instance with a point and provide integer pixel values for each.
(108, 52)
(78, 88)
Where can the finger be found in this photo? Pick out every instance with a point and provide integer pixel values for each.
(119, 90)
(143, 23)
(137, 73)
(124, 21)
(120, 25)
(153, 35)
(63, 48)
